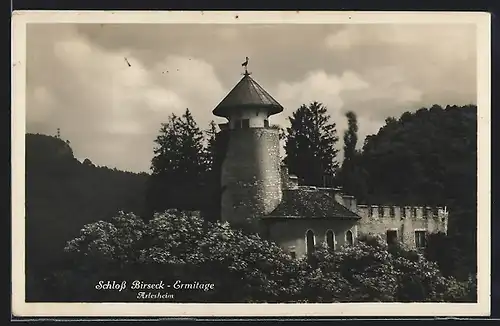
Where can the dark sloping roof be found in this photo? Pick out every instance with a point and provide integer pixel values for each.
(247, 93)
(304, 203)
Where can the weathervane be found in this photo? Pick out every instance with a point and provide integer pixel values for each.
(245, 64)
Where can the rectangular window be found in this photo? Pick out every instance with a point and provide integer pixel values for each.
(246, 123)
(380, 212)
(293, 255)
(266, 123)
(420, 239)
(392, 237)
(414, 212)
(403, 211)
(425, 212)
(391, 211)
(370, 211)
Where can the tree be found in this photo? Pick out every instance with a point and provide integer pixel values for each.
(211, 134)
(176, 246)
(350, 137)
(58, 186)
(429, 157)
(179, 166)
(243, 267)
(352, 176)
(371, 271)
(310, 144)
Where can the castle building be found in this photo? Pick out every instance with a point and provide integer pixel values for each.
(258, 192)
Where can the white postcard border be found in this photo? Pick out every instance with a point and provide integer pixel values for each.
(22, 309)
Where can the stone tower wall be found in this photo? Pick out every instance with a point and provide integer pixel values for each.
(251, 179)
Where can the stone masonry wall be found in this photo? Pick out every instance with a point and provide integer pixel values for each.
(290, 234)
(250, 180)
(405, 220)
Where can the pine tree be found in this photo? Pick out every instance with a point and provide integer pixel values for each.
(179, 165)
(211, 134)
(310, 145)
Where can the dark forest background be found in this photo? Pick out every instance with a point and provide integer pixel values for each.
(423, 158)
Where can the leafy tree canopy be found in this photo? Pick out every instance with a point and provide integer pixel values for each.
(243, 267)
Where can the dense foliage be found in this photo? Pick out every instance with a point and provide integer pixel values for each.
(426, 158)
(352, 177)
(310, 145)
(179, 166)
(243, 267)
(62, 195)
(182, 168)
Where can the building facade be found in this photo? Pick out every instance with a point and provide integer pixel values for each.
(258, 192)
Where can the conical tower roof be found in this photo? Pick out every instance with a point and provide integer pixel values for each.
(247, 94)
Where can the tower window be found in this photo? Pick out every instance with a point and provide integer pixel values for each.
(293, 254)
(403, 211)
(420, 239)
(414, 212)
(245, 123)
(266, 123)
(391, 211)
(370, 211)
(330, 239)
(380, 212)
(392, 237)
(310, 241)
(348, 237)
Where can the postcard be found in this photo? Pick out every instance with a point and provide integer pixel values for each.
(247, 164)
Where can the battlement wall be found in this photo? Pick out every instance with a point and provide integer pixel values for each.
(405, 220)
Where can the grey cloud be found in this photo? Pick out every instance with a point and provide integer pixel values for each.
(77, 78)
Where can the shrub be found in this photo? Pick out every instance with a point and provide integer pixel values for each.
(243, 267)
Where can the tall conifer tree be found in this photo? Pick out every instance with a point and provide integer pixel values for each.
(310, 145)
(179, 165)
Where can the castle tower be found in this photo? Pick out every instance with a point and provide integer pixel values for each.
(250, 176)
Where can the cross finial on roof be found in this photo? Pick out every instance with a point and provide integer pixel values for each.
(245, 64)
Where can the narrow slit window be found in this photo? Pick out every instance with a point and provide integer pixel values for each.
(349, 238)
(330, 239)
(310, 242)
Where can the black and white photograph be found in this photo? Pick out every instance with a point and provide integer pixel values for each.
(295, 164)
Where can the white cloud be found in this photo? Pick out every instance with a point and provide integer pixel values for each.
(321, 87)
(79, 81)
(101, 97)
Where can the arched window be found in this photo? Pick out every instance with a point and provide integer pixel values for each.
(310, 241)
(330, 239)
(348, 237)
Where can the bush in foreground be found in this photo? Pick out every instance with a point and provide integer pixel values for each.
(243, 267)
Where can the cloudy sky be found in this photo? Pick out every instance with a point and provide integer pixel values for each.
(78, 79)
